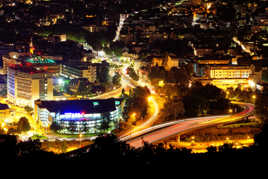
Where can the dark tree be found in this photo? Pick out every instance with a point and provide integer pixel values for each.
(23, 125)
(28, 109)
(104, 126)
(55, 127)
(131, 72)
(103, 72)
(116, 79)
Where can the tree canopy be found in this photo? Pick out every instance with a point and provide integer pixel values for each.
(23, 125)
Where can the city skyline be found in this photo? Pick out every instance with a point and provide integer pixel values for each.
(171, 75)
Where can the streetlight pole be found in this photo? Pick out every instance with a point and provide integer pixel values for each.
(80, 139)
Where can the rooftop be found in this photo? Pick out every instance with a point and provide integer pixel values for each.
(80, 106)
(40, 60)
(27, 68)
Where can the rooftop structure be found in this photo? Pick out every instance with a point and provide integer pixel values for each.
(40, 60)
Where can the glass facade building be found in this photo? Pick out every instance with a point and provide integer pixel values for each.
(79, 116)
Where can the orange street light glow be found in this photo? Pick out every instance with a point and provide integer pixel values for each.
(161, 83)
(150, 98)
(133, 115)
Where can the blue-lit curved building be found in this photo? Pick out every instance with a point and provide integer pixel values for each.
(79, 116)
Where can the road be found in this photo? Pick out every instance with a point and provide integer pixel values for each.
(163, 125)
(152, 100)
(111, 94)
(188, 125)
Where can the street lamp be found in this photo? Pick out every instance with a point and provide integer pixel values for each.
(190, 84)
(193, 138)
(251, 83)
(80, 138)
(161, 83)
(101, 53)
(150, 99)
(133, 115)
(60, 81)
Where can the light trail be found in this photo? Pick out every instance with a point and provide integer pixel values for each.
(163, 125)
(244, 48)
(151, 100)
(185, 126)
(123, 17)
(154, 106)
(115, 93)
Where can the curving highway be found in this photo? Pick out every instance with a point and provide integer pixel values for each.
(185, 126)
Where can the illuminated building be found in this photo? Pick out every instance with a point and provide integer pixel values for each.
(167, 62)
(26, 84)
(85, 70)
(78, 116)
(41, 63)
(61, 37)
(9, 59)
(230, 76)
(213, 60)
(230, 72)
(38, 62)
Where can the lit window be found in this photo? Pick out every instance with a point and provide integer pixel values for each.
(117, 102)
(95, 103)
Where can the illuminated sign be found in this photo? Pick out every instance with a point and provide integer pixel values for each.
(39, 59)
(79, 115)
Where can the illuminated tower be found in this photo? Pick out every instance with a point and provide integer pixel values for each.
(31, 47)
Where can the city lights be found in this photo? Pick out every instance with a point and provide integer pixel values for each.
(252, 84)
(102, 76)
(161, 83)
(101, 53)
(122, 19)
(150, 99)
(60, 81)
(133, 115)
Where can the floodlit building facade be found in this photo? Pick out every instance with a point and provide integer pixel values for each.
(79, 116)
(230, 76)
(230, 72)
(167, 62)
(26, 84)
